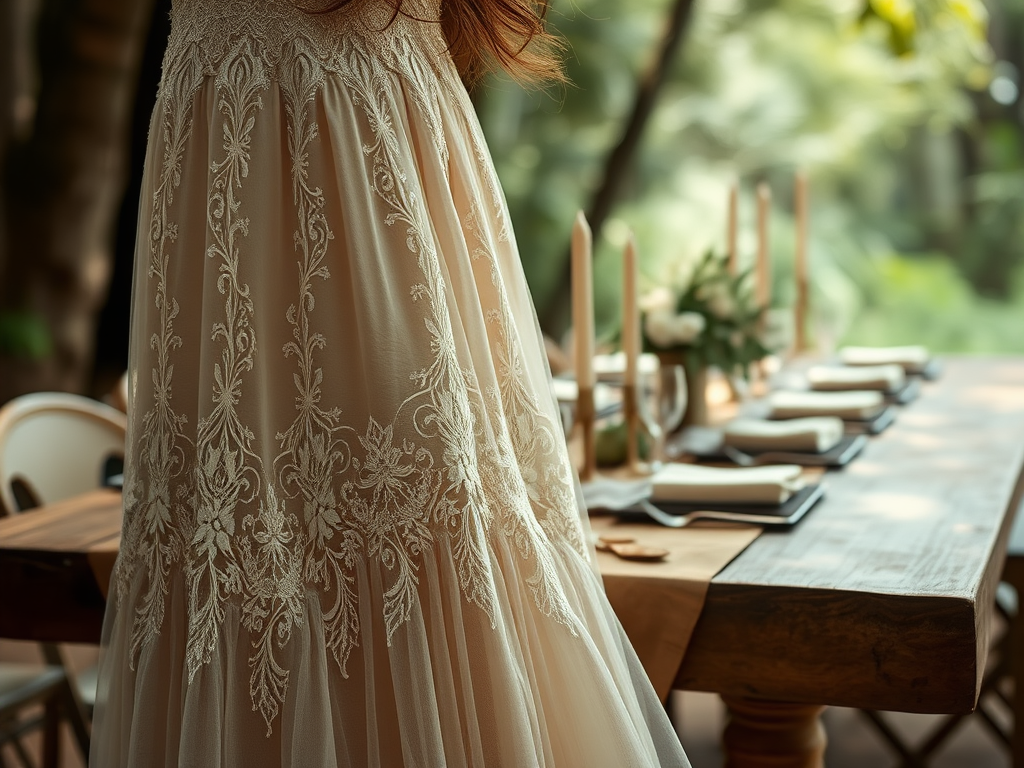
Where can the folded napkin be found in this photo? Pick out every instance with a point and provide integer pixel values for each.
(912, 358)
(714, 485)
(566, 391)
(886, 378)
(812, 435)
(614, 366)
(846, 405)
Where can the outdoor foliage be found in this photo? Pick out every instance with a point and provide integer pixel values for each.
(889, 105)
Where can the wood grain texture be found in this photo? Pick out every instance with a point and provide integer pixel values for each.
(50, 590)
(881, 597)
(764, 734)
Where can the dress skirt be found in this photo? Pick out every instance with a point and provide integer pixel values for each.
(352, 534)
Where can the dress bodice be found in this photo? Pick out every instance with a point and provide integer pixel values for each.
(206, 32)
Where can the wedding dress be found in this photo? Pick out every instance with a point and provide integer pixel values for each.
(352, 535)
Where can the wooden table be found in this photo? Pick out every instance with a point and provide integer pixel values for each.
(881, 598)
(49, 561)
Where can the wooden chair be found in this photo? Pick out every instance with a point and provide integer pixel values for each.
(23, 686)
(118, 396)
(54, 446)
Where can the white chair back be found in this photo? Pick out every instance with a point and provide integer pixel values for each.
(56, 445)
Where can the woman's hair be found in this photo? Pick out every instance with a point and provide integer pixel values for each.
(486, 34)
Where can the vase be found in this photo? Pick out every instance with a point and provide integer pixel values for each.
(696, 375)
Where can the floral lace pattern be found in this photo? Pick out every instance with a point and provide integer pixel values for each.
(457, 461)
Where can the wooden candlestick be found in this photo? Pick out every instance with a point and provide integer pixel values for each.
(583, 333)
(631, 348)
(800, 263)
(732, 227)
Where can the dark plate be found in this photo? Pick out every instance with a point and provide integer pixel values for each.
(873, 425)
(782, 515)
(931, 371)
(910, 392)
(706, 445)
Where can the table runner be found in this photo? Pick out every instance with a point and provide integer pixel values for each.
(659, 603)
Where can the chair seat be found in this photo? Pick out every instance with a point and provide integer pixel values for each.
(25, 682)
(86, 682)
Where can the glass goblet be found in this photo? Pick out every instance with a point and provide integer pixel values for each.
(663, 398)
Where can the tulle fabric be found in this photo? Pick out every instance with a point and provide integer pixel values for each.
(352, 537)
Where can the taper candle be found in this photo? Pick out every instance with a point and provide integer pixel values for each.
(583, 301)
(583, 334)
(630, 311)
(764, 271)
(800, 262)
(631, 348)
(732, 227)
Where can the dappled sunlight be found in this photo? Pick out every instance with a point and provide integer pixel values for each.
(897, 506)
(1002, 398)
(865, 468)
(919, 439)
(923, 420)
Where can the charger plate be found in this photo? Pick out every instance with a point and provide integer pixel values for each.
(705, 444)
(784, 515)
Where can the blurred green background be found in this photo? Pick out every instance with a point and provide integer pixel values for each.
(905, 115)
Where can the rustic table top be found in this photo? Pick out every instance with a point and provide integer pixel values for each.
(85, 523)
(882, 597)
(54, 562)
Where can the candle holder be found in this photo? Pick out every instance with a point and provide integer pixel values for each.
(585, 418)
(631, 412)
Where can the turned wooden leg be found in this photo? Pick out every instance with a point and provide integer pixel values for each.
(772, 734)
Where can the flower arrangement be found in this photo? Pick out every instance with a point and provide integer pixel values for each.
(715, 321)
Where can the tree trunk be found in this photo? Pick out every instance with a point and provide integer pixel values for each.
(555, 316)
(7, 89)
(61, 189)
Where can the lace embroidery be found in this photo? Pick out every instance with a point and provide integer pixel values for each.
(454, 461)
(150, 535)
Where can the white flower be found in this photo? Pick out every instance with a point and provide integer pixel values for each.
(686, 327)
(721, 303)
(658, 300)
(659, 326)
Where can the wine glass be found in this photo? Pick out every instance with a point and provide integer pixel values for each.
(662, 406)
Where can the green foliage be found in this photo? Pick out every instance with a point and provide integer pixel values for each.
(925, 300)
(24, 335)
(874, 98)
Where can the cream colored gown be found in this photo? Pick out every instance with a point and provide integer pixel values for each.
(352, 535)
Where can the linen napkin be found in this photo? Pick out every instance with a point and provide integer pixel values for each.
(834, 378)
(613, 366)
(815, 434)
(846, 405)
(914, 359)
(714, 485)
(566, 391)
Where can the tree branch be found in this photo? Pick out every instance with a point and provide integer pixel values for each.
(555, 316)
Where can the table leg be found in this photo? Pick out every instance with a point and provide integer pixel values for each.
(772, 734)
